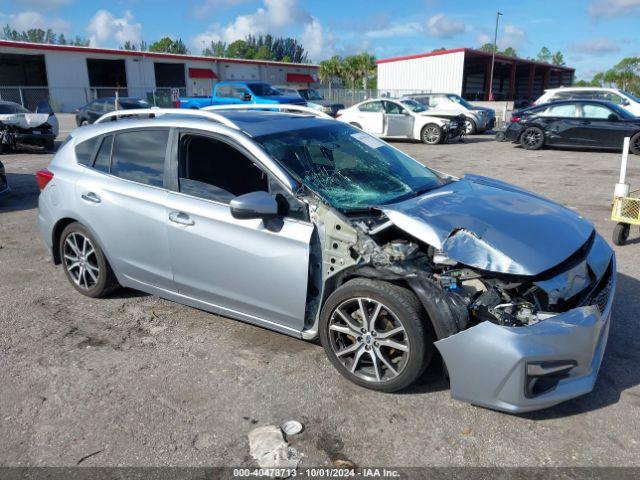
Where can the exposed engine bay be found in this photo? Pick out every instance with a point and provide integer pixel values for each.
(456, 296)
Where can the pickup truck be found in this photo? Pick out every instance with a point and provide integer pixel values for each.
(228, 93)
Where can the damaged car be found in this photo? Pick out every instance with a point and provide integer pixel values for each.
(308, 226)
(21, 126)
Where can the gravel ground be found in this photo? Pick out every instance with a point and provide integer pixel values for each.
(137, 381)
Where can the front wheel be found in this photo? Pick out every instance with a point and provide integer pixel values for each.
(431, 134)
(84, 262)
(532, 138)
(374, 334)
(634, 146)
(469, 127)
(621, 233)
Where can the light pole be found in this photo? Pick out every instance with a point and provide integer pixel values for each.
(493, 56)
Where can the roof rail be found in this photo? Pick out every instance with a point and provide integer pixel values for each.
(268, 106)
(152, 112)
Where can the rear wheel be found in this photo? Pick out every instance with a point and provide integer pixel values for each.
(532, 138)
(621, 233)
(84, 263)
(634, 146)
(431, 134)
(84, 123)
(374, 334)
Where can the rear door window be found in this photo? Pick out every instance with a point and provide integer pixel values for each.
(565, 111)
(103, 158)
(139, 156)
(598, 112)
(371, 107)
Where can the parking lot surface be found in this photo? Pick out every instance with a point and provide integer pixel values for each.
(134, 380)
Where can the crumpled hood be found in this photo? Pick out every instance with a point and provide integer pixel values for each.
(493, 226)
(24, 120)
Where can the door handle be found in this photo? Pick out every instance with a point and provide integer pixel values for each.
(90, 197)
(181, 218)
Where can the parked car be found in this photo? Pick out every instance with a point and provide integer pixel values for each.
(230, 93)
(313, 99)
(389, 118)
(378, 256)
(575, 123)
(4, 184)
(613, 95)
(450, 105)
(93, 110)
(21, 126)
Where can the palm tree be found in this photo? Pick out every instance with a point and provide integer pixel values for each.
(329, 70)
(366, 66)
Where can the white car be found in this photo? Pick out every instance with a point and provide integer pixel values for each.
(21, 126)
(405, 118)
(449, 105)
(614, 95)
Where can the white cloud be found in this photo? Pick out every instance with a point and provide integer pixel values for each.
(443, 26)
(29, 19)
(595, 46)
(104, 27)
(396, 30)
(509, 36)
(613, 8)
(276, 17)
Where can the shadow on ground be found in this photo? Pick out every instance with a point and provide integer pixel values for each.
(23, 195)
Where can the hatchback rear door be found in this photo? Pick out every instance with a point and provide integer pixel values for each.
(121, 199)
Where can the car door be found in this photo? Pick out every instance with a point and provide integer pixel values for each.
(598, 130)
(239, 267)
(121, 198)
(398, 122)
(370, 116)
(562, 124)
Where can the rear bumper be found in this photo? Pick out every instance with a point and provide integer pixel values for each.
(513, 131)
(494, 366)
(35, 139)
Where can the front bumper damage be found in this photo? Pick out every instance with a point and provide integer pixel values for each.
(520, 369)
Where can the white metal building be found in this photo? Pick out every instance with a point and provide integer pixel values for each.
(467, 72)
(71, 76)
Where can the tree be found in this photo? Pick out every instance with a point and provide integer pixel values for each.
(329, 70)
(38, 35)
(544, 55)
(168, 45)
(509, 52)
(558, 59)
(442, 49)
(625, 75)
(216, 49)
(487, 47)
(239, 49)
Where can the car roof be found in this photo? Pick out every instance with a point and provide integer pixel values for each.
(254, 123)
(578, 89)
(572, 100)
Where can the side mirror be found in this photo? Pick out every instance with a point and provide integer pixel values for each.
(254, 205)
(613, 117)
(247, 97)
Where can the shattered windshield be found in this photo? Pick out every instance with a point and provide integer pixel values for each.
(350, 169)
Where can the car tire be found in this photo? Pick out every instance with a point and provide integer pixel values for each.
(501, 137)
(532, 138)
(634, 146)
(352, 351)
(621, 233)
(85, 265)
(431, 134)
(357, 125)
(469, 126)
(84, 123)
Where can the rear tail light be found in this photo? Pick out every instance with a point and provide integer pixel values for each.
(43, 177)
(177, 104)
(515, 119)
(338, 115)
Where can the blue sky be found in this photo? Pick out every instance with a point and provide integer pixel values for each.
(592, 34)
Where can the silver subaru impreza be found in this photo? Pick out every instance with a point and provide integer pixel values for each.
(295, 222)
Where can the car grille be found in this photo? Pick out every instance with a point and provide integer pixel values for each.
(601, 295)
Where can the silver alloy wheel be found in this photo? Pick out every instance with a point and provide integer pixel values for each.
(431, 134)
(368, 339)
(532, 137)
(468, 127)
(80, 260)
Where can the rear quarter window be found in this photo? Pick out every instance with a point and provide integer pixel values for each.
(86, 150)
(139, 156)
